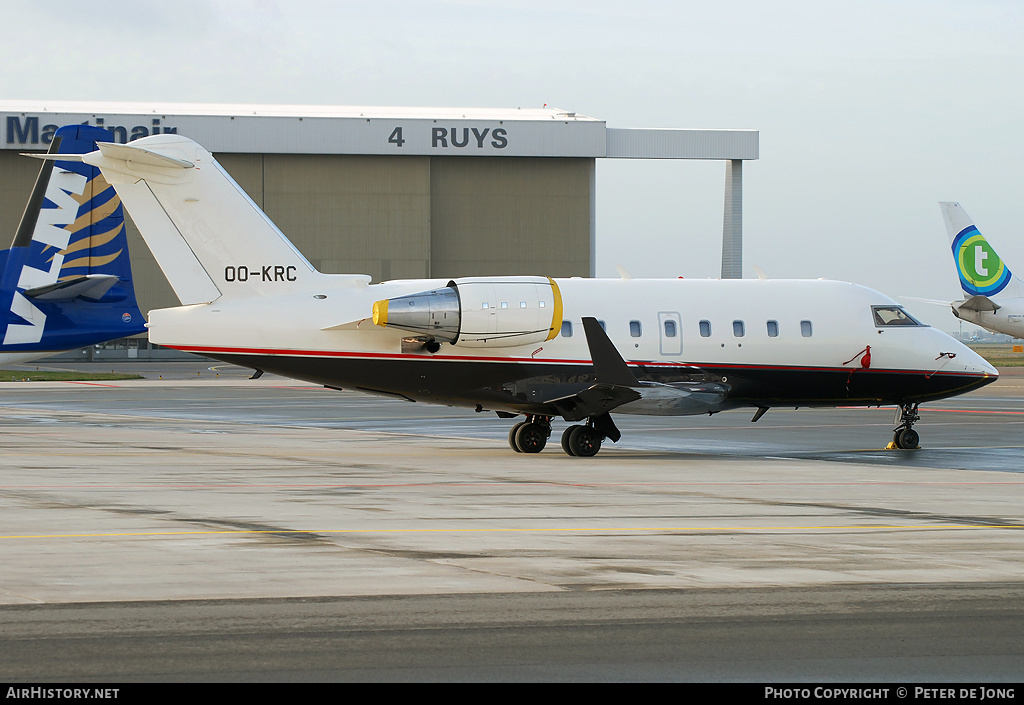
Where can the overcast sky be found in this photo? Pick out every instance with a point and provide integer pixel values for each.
(869, 112)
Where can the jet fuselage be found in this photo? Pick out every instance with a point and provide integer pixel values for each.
(762, 342)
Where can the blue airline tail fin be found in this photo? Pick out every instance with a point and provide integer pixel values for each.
(66, 282)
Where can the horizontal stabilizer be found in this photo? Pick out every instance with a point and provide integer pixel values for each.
(120, 152)
(138, 155)
(978, 303)
(89, 286)
(53, 156)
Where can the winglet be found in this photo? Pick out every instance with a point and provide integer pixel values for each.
(609, 366)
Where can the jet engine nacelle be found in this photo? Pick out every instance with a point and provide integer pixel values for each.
(479, 312)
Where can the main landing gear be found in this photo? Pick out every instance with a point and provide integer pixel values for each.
(904, 436)
(530, 436)
(583, 441)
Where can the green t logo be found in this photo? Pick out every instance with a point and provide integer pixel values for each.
(980, 264)
(979, 259)
(981, 271)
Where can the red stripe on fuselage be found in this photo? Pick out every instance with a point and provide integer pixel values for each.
(549, 361)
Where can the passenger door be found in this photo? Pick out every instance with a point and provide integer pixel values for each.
(670, 332)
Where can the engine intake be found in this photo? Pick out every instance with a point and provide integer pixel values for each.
(479, 312)
(430, 313)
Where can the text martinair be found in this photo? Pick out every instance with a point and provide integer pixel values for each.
(28, 131)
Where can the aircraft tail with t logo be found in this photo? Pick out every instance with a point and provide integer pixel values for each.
(983, 274)
(66, 281)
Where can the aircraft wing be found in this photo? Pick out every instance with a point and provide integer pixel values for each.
(616, 383)
(593, 401)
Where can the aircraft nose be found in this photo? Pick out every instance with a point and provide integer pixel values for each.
(987, 367)
(975, 364)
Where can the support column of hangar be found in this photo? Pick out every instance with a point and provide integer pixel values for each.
(731, 146)
(732, 221)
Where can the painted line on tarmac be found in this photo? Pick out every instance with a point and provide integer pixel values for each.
(497, 530)
(525, 484)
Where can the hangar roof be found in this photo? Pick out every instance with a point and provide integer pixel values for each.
(328, 129)
(320, 111)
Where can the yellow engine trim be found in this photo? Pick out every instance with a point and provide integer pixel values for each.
(556, 315)
(380, 313)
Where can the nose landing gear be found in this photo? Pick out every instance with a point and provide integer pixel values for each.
(904, 436)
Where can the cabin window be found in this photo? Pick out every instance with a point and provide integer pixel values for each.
(485, 305)
(773, 329)
(705, 329)
(504, 304)
(634, 329)
(603, 326)
(670, 329)
(540, 304)
(737, 329)
(805, 329)
(566, 329)
(522, 304)
(893, 316)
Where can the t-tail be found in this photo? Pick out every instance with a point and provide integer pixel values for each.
(66, 281)
(982, 272)
(209, 238)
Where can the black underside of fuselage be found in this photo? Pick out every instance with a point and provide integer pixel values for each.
(526, 387)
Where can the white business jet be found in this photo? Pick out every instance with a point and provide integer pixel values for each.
(527, 346)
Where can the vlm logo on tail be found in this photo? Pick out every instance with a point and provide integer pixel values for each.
(66, 281)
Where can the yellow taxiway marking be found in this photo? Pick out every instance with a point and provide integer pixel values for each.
(642, 529)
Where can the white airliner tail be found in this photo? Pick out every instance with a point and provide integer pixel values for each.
(982, 272)
(209, 238)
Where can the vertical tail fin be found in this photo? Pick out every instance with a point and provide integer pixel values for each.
(982, 272)
(209, 238)
(67, 279)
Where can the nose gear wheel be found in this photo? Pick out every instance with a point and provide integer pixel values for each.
(904, 436)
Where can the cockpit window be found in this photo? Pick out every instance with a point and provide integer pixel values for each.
(893, 316)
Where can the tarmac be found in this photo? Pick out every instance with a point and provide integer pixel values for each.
(257, 502)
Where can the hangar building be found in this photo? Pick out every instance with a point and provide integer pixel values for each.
(395, 193)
